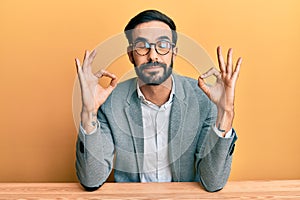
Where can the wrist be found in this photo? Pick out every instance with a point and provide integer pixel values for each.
(227, 111)
(225, 120)
(88, 121)
(87, 110)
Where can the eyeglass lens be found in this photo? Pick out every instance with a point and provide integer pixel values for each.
(143, 48)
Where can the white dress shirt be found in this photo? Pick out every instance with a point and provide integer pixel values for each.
(156, 166)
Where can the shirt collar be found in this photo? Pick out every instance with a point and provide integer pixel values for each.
(145, 101)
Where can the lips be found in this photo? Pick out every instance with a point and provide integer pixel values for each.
(152, 67)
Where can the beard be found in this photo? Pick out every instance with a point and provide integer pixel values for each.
(153, 78)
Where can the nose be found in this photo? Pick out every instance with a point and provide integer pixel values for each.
(152, 55)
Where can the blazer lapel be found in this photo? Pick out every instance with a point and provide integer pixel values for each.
(175, 129)
(134, 116)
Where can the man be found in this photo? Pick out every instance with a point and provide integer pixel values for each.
(159, 126)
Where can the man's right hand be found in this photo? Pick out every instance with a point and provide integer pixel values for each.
(92, 93)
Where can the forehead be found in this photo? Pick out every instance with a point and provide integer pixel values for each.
(151, 31)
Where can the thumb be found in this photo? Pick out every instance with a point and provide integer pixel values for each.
(203, 86)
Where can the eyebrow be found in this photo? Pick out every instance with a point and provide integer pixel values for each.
(164, 38)
(140, 39)
(159, 38)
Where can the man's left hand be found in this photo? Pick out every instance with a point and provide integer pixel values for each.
(222, 92)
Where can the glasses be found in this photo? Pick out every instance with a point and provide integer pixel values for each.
(162, 47)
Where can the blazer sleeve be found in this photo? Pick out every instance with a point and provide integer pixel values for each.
(94, 155)
(214, 155)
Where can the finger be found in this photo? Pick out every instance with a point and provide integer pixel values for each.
(92, 57)
(79, 70)
(108, 74)
(203, 86)
(114, 81)
(237, 69)
(112, 85)
(229, 62)
(78, 66)
(211, 71)
(221, 60)
(99, 73)
(103, 72)
(85, 60)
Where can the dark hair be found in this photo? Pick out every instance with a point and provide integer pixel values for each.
(147, 16)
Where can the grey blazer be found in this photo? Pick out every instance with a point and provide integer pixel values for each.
(196, 152)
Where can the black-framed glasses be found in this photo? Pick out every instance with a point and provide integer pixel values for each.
(162, 47)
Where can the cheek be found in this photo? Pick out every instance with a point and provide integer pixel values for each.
(168, 59)
(138, 60)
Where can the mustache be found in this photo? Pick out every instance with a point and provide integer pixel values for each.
(151, 64)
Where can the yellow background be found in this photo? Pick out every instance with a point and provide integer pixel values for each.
(40, 39)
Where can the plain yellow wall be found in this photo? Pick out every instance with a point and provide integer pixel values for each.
(40, 39)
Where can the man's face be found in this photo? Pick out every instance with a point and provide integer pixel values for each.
(152, 68)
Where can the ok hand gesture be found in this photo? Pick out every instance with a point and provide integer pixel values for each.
(222, 93)
(93, 94)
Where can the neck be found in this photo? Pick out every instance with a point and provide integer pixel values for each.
(157, 94)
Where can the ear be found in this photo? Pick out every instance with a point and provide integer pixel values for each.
(175, 51)
(130, 54)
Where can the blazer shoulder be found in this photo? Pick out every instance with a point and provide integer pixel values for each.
(188, 87)
(125, 86)
(121, 92)
(188, 84)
